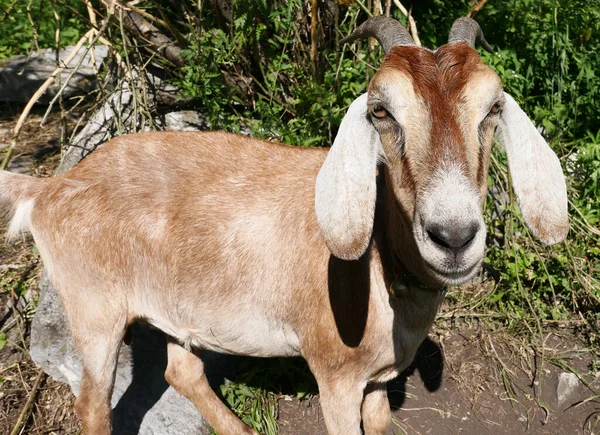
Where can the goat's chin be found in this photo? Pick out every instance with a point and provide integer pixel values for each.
(454, 276)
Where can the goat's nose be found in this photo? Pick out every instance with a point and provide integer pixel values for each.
(454, 238)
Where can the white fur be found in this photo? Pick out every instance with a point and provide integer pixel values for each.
(450, 199)
(536, 174)
(21, 220)
(346, 184)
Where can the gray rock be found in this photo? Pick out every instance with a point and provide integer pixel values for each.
(143, 402)
(20, 164)
(185, 120)
(21, 76)
(567, 385)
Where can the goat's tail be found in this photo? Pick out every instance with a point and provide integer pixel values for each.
(17, 197)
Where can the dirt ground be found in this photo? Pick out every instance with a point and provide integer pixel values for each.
(469, 377)
(477, 381)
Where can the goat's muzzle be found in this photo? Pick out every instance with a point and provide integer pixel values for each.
(449, 228)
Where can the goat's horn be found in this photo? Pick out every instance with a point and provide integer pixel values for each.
(466, 29)
(388, 32)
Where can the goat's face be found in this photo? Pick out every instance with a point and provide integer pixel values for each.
(429, 117)
(435, 113)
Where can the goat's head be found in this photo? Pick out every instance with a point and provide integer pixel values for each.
(429, 117)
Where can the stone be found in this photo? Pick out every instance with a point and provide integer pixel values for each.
(20, 165)
(185, 120)
(567, 385)
(21, 76)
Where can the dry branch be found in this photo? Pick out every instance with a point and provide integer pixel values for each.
(475, 7)
(411, 23)
(313, 32)
(25, 412)
(135, 22)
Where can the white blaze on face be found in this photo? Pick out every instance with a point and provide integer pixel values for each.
(449, 227)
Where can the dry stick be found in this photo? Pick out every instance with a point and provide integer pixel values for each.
(36, 97)
(94, 23)
(92, 35)
(136, 23)
(8, 10)
(313, 33)
(411, 23)
(25, 412)
(476, 8)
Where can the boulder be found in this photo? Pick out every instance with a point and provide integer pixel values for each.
(21, 76)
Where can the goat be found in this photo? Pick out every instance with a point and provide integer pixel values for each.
(247, 247)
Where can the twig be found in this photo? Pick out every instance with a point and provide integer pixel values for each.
(25, 412)
(476, 7)
(36, 96)
(313, 33)
(93, 35)
(388, 7)
(411, 23)
(135, 22)
(8, 10)
(5, 267)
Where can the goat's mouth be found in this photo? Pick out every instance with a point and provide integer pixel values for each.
(454, 275)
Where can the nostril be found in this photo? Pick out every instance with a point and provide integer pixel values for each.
(438, 236)
(453, 237)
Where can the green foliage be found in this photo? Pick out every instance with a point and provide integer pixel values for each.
(257, 408)
(265, 47)
(549, 47)
(31, 24)
(254, 394)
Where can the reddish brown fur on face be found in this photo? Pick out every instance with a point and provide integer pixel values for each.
(439, 78)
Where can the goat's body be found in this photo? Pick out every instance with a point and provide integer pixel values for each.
(245, 272)
(186, 252)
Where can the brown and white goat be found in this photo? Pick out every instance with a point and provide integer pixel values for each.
(225, 242)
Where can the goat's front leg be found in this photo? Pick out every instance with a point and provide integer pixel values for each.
(341, 400)
(376, 415)
(185, 372)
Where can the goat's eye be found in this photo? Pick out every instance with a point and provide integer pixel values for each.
(496, 109)
(379, 112)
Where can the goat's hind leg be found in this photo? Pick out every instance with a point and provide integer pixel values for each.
(97, 335)
(185, 372)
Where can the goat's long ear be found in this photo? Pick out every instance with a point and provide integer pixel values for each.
(536, 174)
(346, 185)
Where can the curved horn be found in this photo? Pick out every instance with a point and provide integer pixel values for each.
(388, 32)
(466, 29)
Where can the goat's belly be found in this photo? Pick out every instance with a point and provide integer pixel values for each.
(250, 335)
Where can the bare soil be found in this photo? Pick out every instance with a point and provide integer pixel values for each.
(478, 382)
(470, 377)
